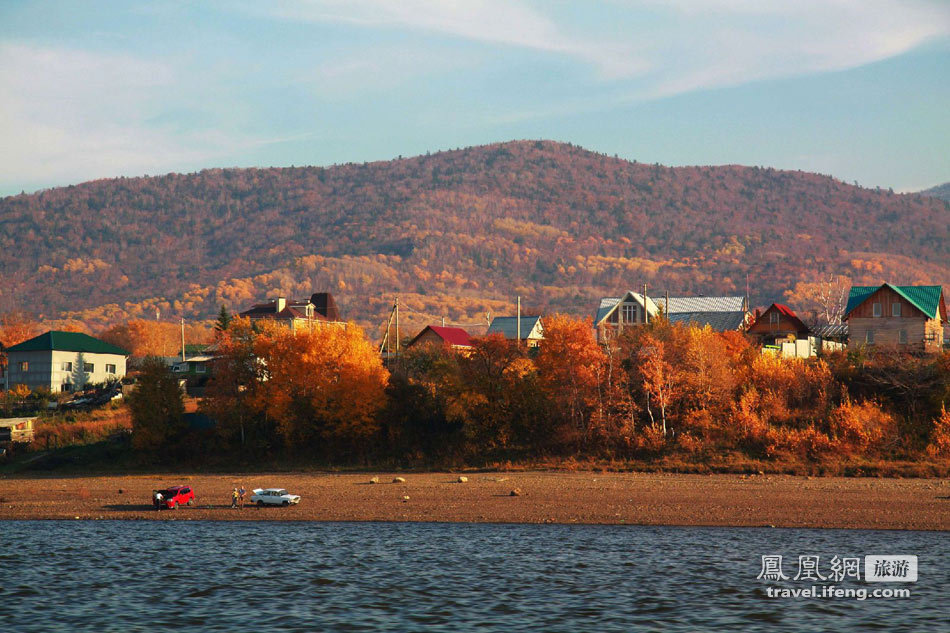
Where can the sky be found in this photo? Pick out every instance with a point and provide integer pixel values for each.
(857, 89)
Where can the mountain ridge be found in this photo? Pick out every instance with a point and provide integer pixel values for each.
(454, 233)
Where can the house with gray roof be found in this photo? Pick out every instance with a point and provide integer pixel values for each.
(63, 361)
(531, 329)
(719, 313)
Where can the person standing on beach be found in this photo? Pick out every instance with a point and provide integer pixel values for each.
(234, 498)
(158, 500)
(241, 493)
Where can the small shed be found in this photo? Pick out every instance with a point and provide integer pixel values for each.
(16, 429)
(530, 328)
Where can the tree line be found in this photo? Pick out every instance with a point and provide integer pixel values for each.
(325, 396)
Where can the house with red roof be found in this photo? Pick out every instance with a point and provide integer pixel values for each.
(454, 338)
(779, 329)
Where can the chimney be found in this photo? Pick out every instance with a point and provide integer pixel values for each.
(281, 303)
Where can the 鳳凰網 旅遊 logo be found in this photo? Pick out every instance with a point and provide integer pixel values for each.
(816, 576)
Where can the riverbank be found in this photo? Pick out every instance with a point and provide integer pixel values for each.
(542, 497)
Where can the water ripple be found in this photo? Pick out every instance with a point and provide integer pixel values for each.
(234, 576)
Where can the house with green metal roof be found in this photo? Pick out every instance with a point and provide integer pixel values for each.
(905, 317)
(63, 361)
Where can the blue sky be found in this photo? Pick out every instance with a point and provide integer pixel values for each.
(859, 89)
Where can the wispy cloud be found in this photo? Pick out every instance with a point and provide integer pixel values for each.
(665, 46)
(68, 115)
(497, 22)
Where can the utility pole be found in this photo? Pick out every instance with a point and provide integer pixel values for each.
(183, 339)
(646, 313)
(519, 320)
(396, 307)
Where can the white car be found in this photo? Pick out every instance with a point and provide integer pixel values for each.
(273, 497)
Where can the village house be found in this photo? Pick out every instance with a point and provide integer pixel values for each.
(454, 338)
(528, 328)
(719, 313)
(319, 308)
(63, 361)
(779, 330)
(905, 317)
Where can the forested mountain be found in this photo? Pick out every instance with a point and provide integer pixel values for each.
(455, 233)
(940, 191)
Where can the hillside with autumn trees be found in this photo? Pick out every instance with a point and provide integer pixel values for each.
(454, 234)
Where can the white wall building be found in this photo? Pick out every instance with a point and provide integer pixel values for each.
(63, 361)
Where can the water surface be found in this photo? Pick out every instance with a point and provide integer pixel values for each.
(257, 576)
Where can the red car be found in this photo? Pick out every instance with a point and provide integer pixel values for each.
(173, 497)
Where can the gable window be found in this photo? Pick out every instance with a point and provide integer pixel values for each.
(629, 312)
(895, 309)
(877, 309)
(869, 336)
(774, 318)
(110, 369)
(67, 366)
(88, 367)
(902, 337)
(24, 365)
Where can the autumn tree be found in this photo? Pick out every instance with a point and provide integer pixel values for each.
(420, 420)
(499, 399)
(16, 327)
(324, 387)
(234, 378)
(157, 407)
(826, 299)
(571, 367)
(659, 379)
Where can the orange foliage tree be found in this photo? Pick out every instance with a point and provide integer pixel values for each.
(571, 367)
(141, 337)
(324, 387)
(16, 327)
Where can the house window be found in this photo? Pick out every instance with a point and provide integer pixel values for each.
(877, 310)
(895, 309)
(88, 367)
(902, 337)
(110, 369)
(869, 336)
(24, 365)
(66, 387)
(67, 366)
(200, 368)
(629, 313)
(774, 318)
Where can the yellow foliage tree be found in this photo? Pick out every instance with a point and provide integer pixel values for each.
(324, 385)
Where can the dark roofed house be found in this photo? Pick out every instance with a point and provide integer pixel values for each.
(454, 338)
(63, 361)
(906, 317)
(532, 330)
(320, 308)
(325, 306)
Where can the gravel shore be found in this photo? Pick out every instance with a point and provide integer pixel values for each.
(541, 497)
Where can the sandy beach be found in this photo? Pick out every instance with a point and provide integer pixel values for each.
(543, 497)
